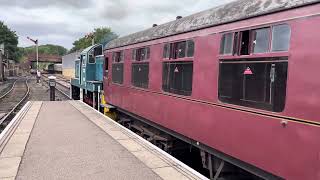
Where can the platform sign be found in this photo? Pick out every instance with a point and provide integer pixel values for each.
(248, 71)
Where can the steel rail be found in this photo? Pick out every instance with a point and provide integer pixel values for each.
(14, 83)
(18, 104)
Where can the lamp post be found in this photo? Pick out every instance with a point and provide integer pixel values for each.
(1, 62)
(37, 57)
(37, 53)
(91, 35)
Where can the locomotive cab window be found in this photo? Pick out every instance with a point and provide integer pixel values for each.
(92, 59)
(259, 83)
(117, 67)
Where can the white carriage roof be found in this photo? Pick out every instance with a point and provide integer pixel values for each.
(234, 11)
(86, 50)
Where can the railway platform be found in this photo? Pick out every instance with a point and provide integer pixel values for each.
(70, 140)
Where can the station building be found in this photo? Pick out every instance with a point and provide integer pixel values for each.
(68, 64)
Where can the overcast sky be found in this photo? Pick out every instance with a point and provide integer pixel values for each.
(64, 21)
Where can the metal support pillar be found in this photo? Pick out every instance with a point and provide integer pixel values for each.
(70, 92)
(99, 98)
(94, 100)
(1, 68)
(81, 94)
(1, 62)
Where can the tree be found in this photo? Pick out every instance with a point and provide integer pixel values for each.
(48, 49)
(101, 35)
(10, 40)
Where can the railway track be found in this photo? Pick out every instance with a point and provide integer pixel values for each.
(12, 100)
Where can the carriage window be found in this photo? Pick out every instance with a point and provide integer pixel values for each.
(261, 40)
(106, 66)
(190, 48)
(281, 38)
(177, 77)
(245, 43)
(180, 49)
(141, 54)
(166, 51)
(140, 75)
(260, 85)
(226, 44)
(118, 56)
(134, 54)
(117, 73)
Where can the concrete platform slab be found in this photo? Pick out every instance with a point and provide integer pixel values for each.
(70, 140)
(9, 167)
(168, 173)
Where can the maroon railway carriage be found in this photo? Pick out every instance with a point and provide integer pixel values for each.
(239, 81)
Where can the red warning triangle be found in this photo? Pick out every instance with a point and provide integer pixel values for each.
(247, 71)
(176, 70)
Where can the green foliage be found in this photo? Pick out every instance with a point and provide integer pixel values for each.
(10, 40)
(47, 49)
(101, 35)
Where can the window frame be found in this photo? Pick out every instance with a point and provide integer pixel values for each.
(94, 58)
(232, 44)
(171, 55)
(290, 37)
(121, 56)
(122, 61)
(77, 69)
(148, 75)
(136, 51)
(162, 79)
(256, 104)
(270, 28)
(236, 45)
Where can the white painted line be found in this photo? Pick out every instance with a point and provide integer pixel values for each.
(12, 122)
(194, 172)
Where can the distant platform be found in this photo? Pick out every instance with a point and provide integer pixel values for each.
(70, 140)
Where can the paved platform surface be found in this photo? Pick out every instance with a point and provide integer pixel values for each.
(69, 140)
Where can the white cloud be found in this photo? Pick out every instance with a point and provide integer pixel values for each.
(63, 21)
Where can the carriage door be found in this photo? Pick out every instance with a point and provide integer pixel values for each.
(106, 70)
